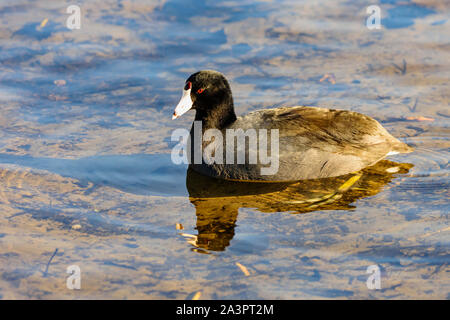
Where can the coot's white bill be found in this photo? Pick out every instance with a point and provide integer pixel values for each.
(184, 105)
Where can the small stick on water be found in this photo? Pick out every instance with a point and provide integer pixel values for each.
(243, 269)
(50, 261)
(401, 69)
(43, 23)
(413, 108)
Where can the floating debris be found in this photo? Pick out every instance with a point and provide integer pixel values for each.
(419, 118)
(76, 227)
(330, 77)
(45, 273)
(43, 23)
(243, 269)
(401, 69)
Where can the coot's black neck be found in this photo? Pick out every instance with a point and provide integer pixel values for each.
(219, 117)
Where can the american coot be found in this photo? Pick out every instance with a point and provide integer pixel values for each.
(310, 142)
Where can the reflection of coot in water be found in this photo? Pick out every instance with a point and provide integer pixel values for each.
(217, 201)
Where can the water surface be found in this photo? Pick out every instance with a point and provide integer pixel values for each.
(86, 177)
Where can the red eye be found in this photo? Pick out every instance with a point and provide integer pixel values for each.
(200, 90)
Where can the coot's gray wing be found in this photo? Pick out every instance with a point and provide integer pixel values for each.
(318, 143)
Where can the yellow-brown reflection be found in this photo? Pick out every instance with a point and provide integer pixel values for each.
(217, 201)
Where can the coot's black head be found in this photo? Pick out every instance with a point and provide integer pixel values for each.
(209, 93)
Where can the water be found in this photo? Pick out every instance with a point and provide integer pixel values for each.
(85, 151)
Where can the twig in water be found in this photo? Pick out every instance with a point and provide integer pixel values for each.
(413, 108)
(50, 261)
(401, 69)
